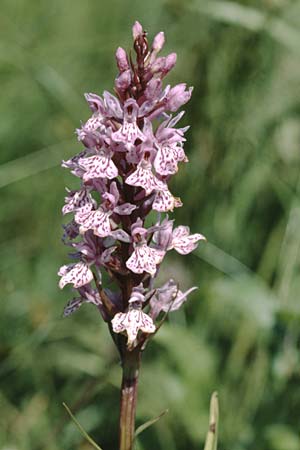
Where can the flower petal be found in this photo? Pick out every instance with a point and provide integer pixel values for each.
(121, 235)
(165, 162)
(131, 322)
(184, 243)
(95, 102)
(118, 324)
(78, 200)
(77, 274)
(129, 131)
(168, 298)
(98, 166)
(164, 201)
(125, 209)
(72, 306)
(144, 259)
(143, 177)
(112, 105)
(98, 221)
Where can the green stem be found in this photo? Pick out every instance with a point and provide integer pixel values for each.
(130, 364)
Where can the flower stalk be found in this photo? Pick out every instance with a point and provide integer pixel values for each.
(130, 365)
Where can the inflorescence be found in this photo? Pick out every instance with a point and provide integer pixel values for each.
(131, 150)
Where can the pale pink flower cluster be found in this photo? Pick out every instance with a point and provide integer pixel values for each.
(131, 149)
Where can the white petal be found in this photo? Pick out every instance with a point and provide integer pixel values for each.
(164, 201)
(94, 122)
(131, 322)
(146, 179)
(81, 199)
(128, 133)
(98, 221)
(77, 274)
(186, 244)
(143, 259)
(98, 166)
(118, 323)
(181, 231)
(146, 323)
(165, 162)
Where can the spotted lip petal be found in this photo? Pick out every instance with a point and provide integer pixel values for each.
(98, 166)
(165, 162)
(77, 274)
(78, 200)
(131, 322)
(143, 177)
(143, 259)
(94, 122)
(98, 221)
(164, 201)
(129, 131)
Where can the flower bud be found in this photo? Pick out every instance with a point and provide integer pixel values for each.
(158, 42)
(158, 65)
(122, 60)
(153, 89)
(137, 30)
(123, 81)
(170, 62)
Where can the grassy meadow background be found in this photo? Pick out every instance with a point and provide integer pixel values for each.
(239, 333)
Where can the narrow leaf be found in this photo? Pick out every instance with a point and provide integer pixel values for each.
(148, 424)
(212, 434)
(81, 429)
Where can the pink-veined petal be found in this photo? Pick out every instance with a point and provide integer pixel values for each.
(164, 201)
(131, 322)
(98, 166)
(118, 322)
(81, 199)
(94, 122)
(181, 231)
(129, 131)
(77, 274)
(112, 105)
(98, 221)
(179, 154)
(143, 259)
(165, 162)
(184, 243)
(143, 177)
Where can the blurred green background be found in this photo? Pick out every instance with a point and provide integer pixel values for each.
(239, 333)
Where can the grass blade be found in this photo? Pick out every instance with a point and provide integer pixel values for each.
(150, 422)
(81, 429)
